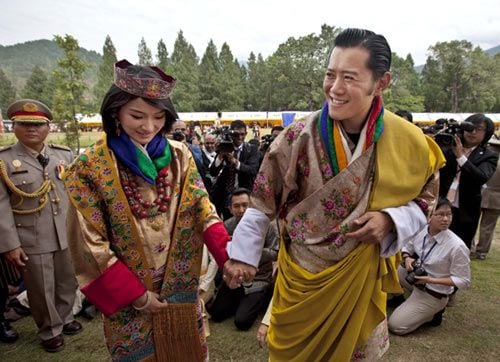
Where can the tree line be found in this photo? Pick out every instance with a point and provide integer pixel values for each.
(456, 78)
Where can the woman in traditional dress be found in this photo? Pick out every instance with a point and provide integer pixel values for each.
(139, 217)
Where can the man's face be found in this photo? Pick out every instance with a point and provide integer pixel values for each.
(210, 143)
(239, 204)
(31, 134)
(349, 86)
(475, 137)
(239, 135)
(441, 219)
(275, 133)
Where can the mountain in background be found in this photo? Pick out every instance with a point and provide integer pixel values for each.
(17, 61)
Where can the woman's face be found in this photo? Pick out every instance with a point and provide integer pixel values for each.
(140, 120)
(441, 219)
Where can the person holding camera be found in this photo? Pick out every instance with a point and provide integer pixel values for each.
(469, 165)
(435, 262)
(235, 166)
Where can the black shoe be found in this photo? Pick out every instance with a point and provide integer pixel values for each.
(72, 328)
(437, 319)
(55, 344)
(396, 301)
(7, 333)
(19, 308)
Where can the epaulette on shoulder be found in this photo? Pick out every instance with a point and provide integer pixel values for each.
(5, 148)
(59, 147)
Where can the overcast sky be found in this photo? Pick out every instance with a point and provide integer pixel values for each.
(252, 25)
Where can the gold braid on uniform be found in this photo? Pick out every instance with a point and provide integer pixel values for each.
(41, 193)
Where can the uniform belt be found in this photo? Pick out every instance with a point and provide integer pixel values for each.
(435, 294)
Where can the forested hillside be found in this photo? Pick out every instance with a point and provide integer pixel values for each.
(17, 61)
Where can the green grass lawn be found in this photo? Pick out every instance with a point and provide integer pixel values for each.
(470, 331)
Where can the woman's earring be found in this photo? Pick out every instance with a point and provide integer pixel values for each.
(118, 128)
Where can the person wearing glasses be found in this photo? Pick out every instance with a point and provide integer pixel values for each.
(469, 165)
(435, 262)
(208, 156)
(234, 169)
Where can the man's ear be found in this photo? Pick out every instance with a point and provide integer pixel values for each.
(383, 83)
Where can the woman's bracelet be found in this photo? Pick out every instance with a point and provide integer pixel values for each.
(147, 304)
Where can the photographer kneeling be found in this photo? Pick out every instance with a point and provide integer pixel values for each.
(435, 262)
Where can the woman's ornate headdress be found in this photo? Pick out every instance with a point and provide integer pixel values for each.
(153, 88)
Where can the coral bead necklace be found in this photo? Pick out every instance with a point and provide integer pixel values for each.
(142, 208)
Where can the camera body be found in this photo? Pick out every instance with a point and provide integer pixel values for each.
(178, 136)
(265, 142)
(418, 271)
(449, 129)
(225, 137)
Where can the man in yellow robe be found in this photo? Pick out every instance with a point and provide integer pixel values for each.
(348, 183)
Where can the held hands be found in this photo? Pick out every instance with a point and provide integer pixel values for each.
(149, 303)
(236, 272)
(373, 227)
(17, 257)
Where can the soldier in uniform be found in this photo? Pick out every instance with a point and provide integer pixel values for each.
(33, 221)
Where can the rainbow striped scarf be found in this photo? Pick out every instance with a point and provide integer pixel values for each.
(330, 134)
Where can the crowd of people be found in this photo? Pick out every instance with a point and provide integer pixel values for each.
(162, 225)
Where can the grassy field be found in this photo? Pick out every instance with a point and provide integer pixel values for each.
(86, 138)
(470, 331)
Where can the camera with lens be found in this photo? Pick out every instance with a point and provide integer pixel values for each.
(265, 142)
(225, 137)
(450, 128)
(418, 271)
(178, 136)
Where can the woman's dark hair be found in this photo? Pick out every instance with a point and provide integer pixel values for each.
(376, 45)
(442, 201)
(478, 119)
(116, 98)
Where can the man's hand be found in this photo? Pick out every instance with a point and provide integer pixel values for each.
(457, 147)
(373, 227)
(17, 257)
(236, 272)
(231, 159)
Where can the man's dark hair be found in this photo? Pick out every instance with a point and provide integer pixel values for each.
(376, 44)
(237, 192)
(405, 114)
(478, 119)
(238, 124)
(116, 98)
(442, 201)
(277, 128)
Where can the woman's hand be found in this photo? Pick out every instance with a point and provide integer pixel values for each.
(408, 263)
(262, 335)
(149, 302)
(424, 279)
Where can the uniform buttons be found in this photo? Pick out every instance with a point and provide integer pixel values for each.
(18, 225)
(55, 212)
(24, 182)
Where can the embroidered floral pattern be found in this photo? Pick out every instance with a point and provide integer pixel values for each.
(301, 225)
(302, 165)
(338, 205)
(262, 186)
(294, 132)
(90, 181)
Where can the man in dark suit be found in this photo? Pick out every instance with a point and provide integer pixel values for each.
(33, 221)
(234, 168)
(469, 165)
